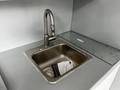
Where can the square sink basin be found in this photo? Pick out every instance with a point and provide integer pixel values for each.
(48, 61)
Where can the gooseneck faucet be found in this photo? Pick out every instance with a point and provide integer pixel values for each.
(49, 27)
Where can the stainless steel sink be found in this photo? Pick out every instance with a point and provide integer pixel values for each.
(55, 54)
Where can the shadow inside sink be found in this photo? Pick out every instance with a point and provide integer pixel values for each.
(57, 61)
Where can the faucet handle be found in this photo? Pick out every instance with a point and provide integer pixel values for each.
(52, 27)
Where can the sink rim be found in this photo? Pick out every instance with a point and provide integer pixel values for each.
(41, 49)
(50, 47)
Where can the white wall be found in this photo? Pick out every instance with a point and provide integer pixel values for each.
(110, 80)
(116, 82)
(21, 21)
(106, 81)
(2, 85)
(98, 19)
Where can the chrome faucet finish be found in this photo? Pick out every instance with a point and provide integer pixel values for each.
(49, 27)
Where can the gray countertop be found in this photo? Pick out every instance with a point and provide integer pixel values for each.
(20, 74)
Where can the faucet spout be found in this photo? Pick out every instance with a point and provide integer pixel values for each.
(49, 27)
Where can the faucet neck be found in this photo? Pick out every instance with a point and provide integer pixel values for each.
(49, 27)
(49, 15)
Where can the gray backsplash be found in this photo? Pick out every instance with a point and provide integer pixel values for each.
(98, 19)
(21, 21)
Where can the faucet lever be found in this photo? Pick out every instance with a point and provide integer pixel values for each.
(52, 30)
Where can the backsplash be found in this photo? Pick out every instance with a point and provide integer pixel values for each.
(98, 19)
(21, 21)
